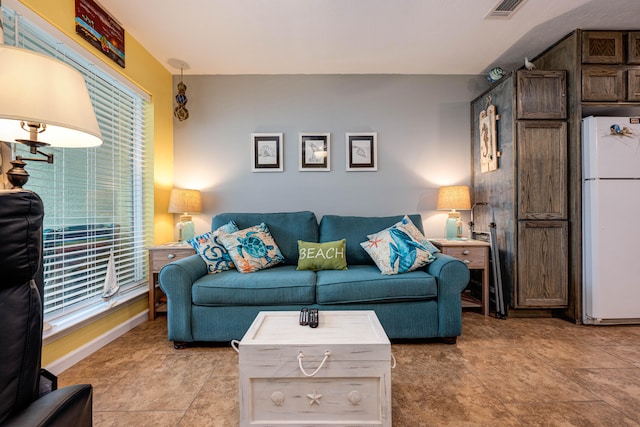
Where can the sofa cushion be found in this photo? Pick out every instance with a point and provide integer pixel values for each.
(285, 227)
(364, 283)
(275, 286)
(252, 249)
(211, 249)
(322, 256)
(395, 251)
(356, 229)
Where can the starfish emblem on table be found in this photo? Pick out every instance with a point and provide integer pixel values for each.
(314, 398)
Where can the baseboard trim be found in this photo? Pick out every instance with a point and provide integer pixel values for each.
(68, 360)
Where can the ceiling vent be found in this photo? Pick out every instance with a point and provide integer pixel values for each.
(505, 9)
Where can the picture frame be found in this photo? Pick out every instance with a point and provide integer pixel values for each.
(488, 139)
(314, 152)
(362, 151)
(266, 152)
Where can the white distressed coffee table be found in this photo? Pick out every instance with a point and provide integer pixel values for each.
(336, 374)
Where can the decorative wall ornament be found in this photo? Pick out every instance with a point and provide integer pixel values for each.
(488, 138)
(181, 111)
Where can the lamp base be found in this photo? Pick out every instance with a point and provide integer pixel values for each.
(186, 228)
(453, 227)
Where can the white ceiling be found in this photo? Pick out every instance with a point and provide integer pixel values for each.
(356, 36)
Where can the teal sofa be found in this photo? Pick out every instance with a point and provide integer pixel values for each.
(220, 307)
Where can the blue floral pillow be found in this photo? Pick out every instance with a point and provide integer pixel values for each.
(212, 251)
(252, 249)
(395, 251)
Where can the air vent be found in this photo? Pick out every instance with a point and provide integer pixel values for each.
(505, 9)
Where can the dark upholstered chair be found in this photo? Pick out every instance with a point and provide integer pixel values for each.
(21, 312)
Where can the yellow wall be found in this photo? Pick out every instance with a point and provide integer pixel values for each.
(151, 76)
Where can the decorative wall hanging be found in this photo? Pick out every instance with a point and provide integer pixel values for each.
(488, 138)
(266, 152)
(99, 28)
(314, 152)
(181, 111)
(362, 151)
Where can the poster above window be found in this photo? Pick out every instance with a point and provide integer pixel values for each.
(100, 29)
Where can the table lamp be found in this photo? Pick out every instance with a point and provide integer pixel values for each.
(185, 202)
(452, 198)
(44, 102)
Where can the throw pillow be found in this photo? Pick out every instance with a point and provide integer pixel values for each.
(252, 249)
(394, 251)
(322, 256)
(209, 247)
(408, 226)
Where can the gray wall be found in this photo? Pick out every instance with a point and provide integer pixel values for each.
(422, 124)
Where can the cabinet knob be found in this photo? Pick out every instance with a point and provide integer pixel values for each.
(171, 256)
(466, 252)
(466, 261)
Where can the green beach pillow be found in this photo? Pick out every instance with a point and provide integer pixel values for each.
(322, 256)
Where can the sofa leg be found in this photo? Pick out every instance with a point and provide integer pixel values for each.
(180, 345)
(450, 340)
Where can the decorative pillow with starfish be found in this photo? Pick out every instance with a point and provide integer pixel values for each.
(395, 250)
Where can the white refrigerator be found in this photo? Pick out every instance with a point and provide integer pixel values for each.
(611, 220)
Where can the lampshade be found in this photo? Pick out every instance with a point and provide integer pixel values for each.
(41, 90)
(454, 197)
(185, 201)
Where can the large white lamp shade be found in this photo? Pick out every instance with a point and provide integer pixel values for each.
(42, 90)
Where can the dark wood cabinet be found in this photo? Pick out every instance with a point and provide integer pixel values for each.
(602, 47)
(543, 267)
(633, 84)
(541, 95)
(542, 170)
(601, 83)
(528, 192)
(633, 47)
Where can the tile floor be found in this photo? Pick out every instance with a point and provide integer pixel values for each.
(514, 372)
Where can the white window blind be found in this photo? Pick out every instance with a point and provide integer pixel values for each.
(97, 200)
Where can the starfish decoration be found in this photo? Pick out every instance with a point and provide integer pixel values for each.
(374, 242)
(315, 398)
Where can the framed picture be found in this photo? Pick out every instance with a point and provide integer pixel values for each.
(266, 152)
(362, 151)
(314, 154)
(488, 143)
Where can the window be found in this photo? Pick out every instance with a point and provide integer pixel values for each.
(98, 200)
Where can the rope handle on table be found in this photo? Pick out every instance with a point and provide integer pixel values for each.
(301, 356)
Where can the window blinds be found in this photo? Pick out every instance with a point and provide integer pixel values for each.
(97, 200)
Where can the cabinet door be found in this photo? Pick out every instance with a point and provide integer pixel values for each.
(542, 170)
(543, 264)
(602, 84)
(633, 46)
(633, 84)
(602, 47)
(542, 94)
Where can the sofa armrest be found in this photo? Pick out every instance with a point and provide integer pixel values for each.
(68, 406)
(452, 276)
(176, 280)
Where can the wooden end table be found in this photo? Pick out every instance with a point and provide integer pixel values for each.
(159, 256)
(475, 254)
